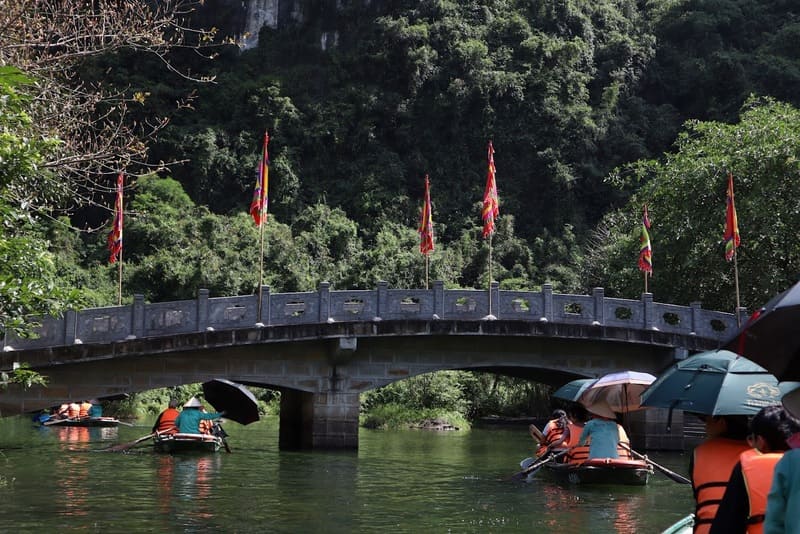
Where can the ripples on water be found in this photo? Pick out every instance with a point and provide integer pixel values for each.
(57, 479)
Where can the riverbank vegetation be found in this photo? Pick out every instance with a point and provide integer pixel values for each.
(594, 109)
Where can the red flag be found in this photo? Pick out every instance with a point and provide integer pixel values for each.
(258, 207)
(731, 237)
(115, 236)
(491, 205)
(426, 222)
(645, 250)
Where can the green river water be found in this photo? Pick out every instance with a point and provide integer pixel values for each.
(59, 480)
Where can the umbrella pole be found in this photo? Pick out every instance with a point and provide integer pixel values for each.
(736, 283)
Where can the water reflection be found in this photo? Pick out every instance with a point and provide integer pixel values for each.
(396, 481)
(69, 435)
(186, 486)
(72, 476)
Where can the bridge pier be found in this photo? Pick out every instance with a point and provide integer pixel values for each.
(318, 420)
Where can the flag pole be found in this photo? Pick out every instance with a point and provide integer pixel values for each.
(426, 271)
(119, 280)
(490, 274)
(645, 281)
(260, 271)
(736, 285)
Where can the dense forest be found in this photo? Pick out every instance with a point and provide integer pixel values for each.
(594, 109)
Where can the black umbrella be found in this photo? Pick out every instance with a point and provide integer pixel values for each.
(234, 399)
(771, 337)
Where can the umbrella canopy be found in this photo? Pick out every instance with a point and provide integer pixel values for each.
(571, 391)
(621, 391)
(716, 382)
(238, 403)
(771, 338)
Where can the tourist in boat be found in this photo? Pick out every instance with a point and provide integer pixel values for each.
(96, 409)
(83, 411)
(559, 434)
(165, 422)
(783, 501)
(744, 503)
(188, 422)
(73, 410)
(711, 464)
(601, 432)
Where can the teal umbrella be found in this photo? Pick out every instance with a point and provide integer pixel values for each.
(716, 382)
(571, 391)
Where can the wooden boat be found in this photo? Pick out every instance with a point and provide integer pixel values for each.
(682, 526)
(187, 443)
(601, 471)
(85, 421)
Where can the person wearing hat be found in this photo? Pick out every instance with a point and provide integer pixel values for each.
(783, 500)
(601, 431)
(744, 503)
(188, 422)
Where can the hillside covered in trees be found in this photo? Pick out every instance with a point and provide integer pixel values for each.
(594, 108)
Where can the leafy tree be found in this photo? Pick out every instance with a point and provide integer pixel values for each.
(685, 193)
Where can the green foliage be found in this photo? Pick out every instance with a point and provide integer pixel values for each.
(22, 375)
(685, 194)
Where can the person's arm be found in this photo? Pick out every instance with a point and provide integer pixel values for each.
(585, 433)
(732, 513)
(213, 415)
(775, 518)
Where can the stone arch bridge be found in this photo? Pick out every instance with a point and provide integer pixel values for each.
(322, 349)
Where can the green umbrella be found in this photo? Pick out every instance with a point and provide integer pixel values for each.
(571, 391)
(716, 383)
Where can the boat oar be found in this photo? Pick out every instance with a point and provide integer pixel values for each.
(533, 467)
(125, 446)
(669, 474)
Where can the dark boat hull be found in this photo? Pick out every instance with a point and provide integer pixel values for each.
(84, 421)
(601, 471)
(187, 443)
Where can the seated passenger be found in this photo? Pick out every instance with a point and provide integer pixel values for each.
(601, 432)
(97, 409)
(556, 434)
(165, 422)
(188, 422)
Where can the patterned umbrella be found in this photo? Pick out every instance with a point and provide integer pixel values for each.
(621, 391)
(717, 382)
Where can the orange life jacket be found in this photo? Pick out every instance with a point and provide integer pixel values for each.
(574, 434)
(757, 470)
(205, 426)
(84, 409)
(166, 421)
(74, 410)
(713, 462)
(555, 433)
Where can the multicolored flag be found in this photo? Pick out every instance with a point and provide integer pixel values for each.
(645, 250)
(731, 237)
(258, 207)
(426, 222)
(491, 205)
(115, 236)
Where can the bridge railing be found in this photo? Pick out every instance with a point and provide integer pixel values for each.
(141, 320)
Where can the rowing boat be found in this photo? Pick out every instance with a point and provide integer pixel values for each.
(187, 443)
(683, 526)
(601, 471)
(85, 421)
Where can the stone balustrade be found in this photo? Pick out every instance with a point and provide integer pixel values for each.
(143, 320)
